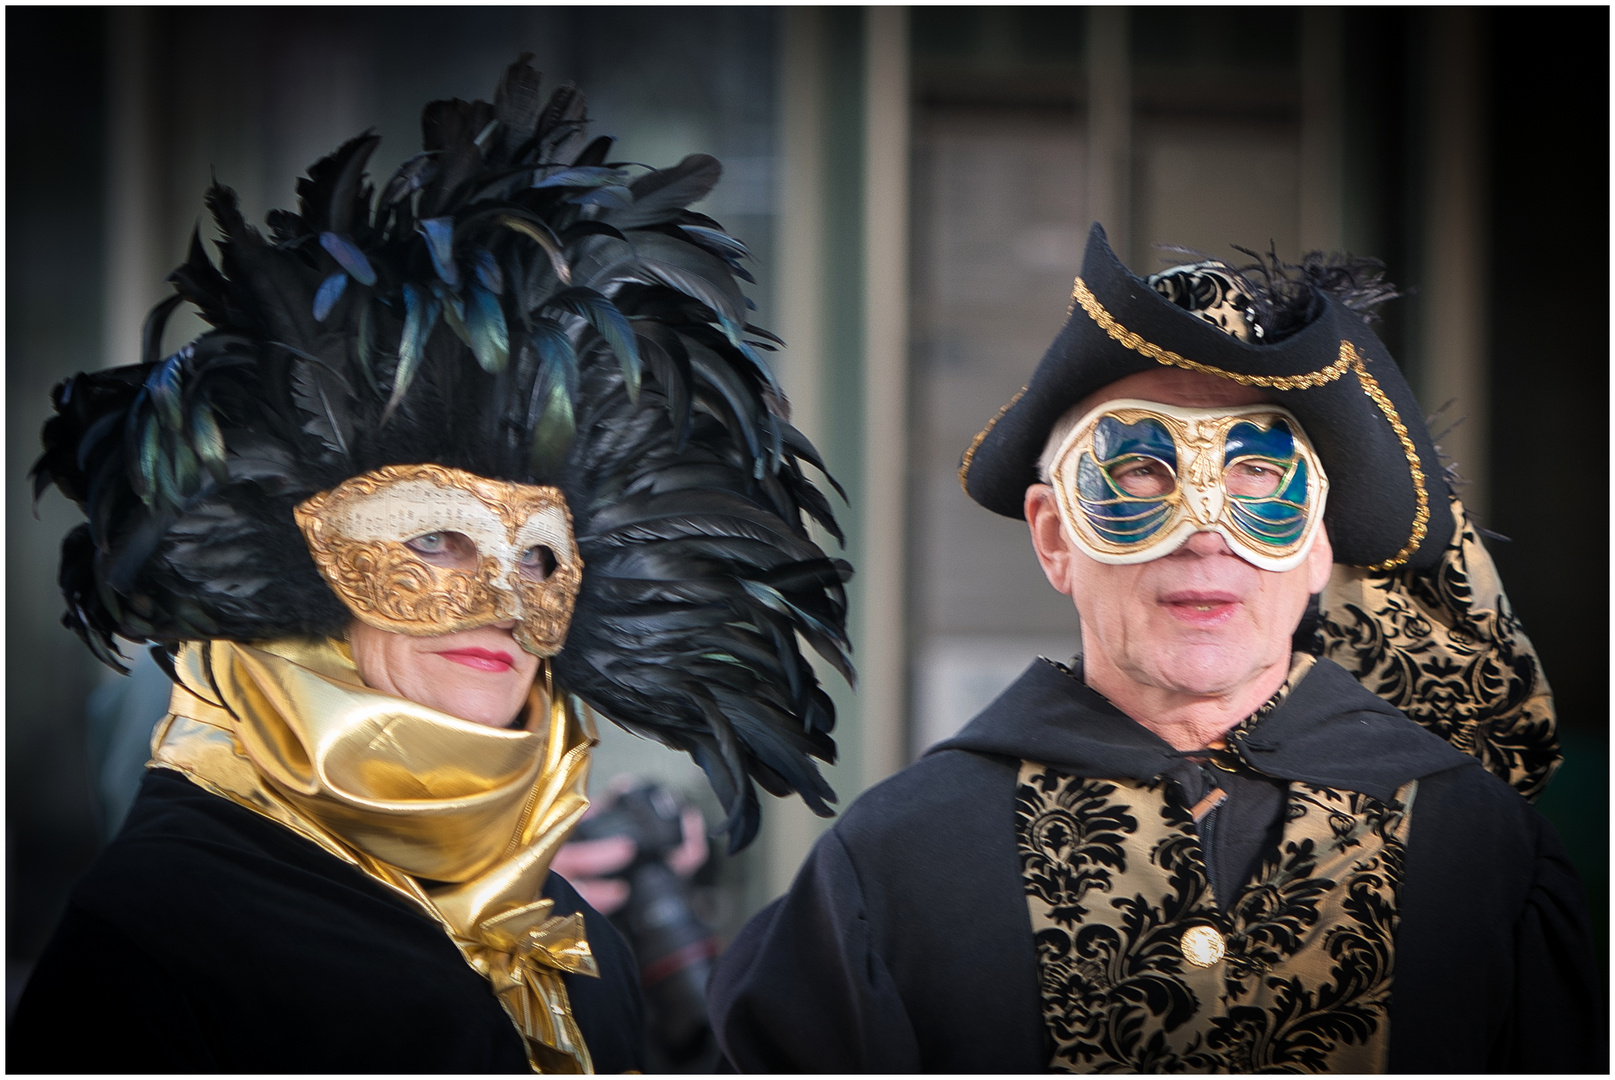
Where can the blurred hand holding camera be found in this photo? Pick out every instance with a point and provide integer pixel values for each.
(591, 865)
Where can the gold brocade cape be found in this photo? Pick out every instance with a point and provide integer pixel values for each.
(1445, 647)
(460, 818)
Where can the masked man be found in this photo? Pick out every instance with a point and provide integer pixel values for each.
(1203, 846)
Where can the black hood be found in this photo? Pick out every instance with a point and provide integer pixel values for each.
(1329, 731)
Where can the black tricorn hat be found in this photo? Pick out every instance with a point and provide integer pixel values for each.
(1388, 501)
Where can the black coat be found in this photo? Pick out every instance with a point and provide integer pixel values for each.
(905, 943)
(207, 938)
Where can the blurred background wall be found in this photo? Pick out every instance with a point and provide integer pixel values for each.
(916, 185)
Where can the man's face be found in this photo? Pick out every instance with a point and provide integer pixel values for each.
(1199, 621)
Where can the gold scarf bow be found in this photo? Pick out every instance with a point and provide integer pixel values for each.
(518, 953)
(460, 818)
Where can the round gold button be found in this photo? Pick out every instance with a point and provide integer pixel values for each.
(1202, 946)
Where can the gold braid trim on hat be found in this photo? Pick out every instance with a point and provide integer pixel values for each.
(1421, 509)
(1349, 361)
(970, 451)
(1120, 334)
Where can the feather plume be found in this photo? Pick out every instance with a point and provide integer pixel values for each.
(1283, 293)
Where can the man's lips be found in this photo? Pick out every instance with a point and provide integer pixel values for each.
(1200, 608)
(480, 659)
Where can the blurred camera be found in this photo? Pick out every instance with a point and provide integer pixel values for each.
(674, 946)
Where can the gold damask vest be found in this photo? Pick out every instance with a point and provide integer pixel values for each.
(1141, 972)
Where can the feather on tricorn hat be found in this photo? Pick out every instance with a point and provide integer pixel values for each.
(514, 305)
(1388, 501)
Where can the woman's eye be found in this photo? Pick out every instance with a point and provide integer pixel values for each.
(449, 549)
(538, 561)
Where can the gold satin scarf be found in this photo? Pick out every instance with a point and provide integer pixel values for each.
(461, 818)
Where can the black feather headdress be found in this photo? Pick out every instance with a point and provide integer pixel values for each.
(513, 304)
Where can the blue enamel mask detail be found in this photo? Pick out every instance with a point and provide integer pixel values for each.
(1134, 479)
(1275, 518)
(1122, 517)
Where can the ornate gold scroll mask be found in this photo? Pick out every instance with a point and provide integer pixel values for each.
(360, 531)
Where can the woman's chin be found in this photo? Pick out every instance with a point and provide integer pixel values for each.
(488, 715)
(493, 699)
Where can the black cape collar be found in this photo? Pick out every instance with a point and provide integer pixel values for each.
(1330, 731)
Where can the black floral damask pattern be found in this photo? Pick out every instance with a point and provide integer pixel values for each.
(1114, 877)
(1213, 293)
(1445, 647)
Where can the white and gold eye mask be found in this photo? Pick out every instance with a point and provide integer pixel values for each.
(425, 550)
(1135, 479)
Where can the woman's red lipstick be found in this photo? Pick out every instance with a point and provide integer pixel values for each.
(480, 659)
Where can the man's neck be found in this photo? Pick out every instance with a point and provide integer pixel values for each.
(1185, 721)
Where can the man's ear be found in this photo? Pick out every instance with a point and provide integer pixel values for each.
(1048, 536)
(1320, 561)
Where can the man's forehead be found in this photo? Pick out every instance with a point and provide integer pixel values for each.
(1174, 386)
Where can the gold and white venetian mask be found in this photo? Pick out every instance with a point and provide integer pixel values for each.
(425, 550)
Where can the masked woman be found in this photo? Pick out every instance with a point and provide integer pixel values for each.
(460, 462)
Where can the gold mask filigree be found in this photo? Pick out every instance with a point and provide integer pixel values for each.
(360, 533)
